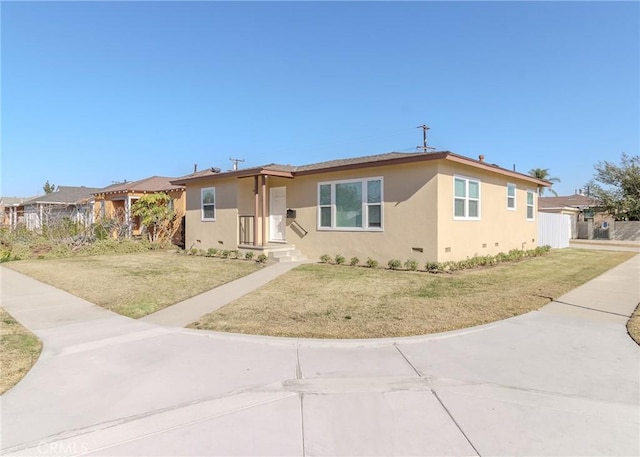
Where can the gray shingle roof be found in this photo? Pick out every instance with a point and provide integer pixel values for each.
(277, 167)
(14, 201)
(358, 160)
(388, 158)
(65, 195)
(575, 201)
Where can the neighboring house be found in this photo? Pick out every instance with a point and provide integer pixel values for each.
(13, 211)
(67, 202)
(114, 202)
(579, 207)
(427, 206)
(588, 221)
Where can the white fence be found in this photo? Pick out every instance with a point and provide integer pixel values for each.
(554, 230)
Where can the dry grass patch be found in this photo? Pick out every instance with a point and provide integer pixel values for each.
(138, 284)
(633, 325)
(330, 301)
(19, 350)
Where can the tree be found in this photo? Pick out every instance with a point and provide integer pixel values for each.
(48, 187)
(155, 215)
(543, 173)
(617, 187)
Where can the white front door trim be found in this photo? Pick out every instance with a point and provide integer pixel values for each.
(278, 214)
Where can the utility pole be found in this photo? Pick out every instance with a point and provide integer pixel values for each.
(424, 146)
(235, 162)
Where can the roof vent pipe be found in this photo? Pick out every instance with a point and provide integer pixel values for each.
(481, 158)
(195, 167)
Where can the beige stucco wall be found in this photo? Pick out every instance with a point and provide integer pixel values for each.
(221, 233)
(498, 229)
(418, 220)
(409, 210)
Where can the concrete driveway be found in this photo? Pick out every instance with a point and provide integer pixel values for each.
(560, 381)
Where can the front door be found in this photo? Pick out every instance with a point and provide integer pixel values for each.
(277, 213)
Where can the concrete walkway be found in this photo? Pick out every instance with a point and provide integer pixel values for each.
(560, 381)
(183, 313)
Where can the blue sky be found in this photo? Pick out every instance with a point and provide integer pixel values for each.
(96, 92)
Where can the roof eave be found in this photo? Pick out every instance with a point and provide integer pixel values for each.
(247, 173)
(267, 172)
(41, 202)
(146, 191)
(565, 208)
(485, 166)
(413, 158)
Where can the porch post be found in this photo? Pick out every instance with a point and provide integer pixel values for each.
(256, 204)
(264, 209)
(127, 215)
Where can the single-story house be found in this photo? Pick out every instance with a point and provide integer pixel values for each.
(114, 202)
(13, 210)
(66, 202)
(435, 206)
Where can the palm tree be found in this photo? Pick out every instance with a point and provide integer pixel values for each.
(543, 173)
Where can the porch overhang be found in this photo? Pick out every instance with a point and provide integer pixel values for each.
(266, 172)
(260, 176)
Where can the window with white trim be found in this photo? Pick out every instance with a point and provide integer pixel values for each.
(466, 198)
(354, 204)
(511, 196)
(530, 205)
(208, 203)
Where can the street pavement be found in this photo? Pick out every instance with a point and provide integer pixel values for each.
(564, 380)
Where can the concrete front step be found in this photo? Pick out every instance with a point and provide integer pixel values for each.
(287, 254)
(277, 252)
(284, 259)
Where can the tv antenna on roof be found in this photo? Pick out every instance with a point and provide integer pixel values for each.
(424, 146)
(235, 162)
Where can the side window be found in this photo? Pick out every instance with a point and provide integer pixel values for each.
(511, 196)
(324, 202)
(466, 198)
(530, 205)
(208, 203)
(374, 203)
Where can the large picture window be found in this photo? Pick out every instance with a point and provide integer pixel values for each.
(350, 205)
(466, 199)
(208, 203)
